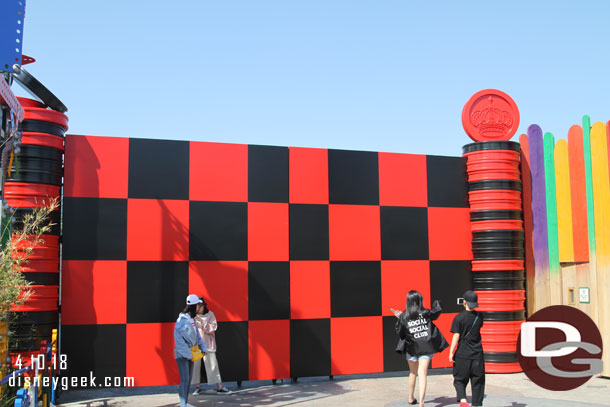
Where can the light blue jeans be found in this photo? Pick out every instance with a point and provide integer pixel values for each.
(416, 358)
(185, 369)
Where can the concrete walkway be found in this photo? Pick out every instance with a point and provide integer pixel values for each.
(382, 390)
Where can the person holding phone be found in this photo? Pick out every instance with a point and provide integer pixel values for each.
(466, 351)
(419, 339)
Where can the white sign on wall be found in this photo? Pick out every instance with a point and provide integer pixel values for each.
(583, 294)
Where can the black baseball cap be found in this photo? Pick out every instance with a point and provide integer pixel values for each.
(471, 299)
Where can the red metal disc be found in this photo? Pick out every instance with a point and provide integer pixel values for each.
(46, 115)
(501, 300)
(490, 114)
(27, 102)
(43, 139)
(43, 298)
(494, 199)
(501, 224)
(491, 265)
(513, 367)
(487, 174)
(27, 195)
(505, 155)
(41, 266)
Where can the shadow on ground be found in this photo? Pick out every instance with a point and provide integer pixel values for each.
(251, 394)
(449, 402)
(496, 401)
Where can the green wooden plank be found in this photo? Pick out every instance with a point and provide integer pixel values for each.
(5, 224)
(586, 138)
(551, 201)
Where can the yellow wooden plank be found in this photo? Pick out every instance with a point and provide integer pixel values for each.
(564, 202)
(601, 207)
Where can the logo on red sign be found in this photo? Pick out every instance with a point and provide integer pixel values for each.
(490, 115)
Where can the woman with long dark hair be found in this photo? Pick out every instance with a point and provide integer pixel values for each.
(419, 340)
(207, 326)
(186, 337)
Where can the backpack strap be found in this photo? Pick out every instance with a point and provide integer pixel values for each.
(470, 330)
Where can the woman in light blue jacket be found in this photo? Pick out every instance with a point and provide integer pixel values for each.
(186, 335)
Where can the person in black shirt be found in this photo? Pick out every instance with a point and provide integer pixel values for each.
(468, 364)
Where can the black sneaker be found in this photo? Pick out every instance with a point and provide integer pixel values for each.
(223, 390)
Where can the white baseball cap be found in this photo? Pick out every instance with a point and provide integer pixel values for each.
(193, 299)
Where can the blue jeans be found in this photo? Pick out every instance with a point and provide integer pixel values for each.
(416, 358)
(185, 369)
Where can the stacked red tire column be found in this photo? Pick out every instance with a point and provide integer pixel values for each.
(35, 179)
(498, 248)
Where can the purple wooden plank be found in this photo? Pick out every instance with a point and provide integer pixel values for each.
(541, 239)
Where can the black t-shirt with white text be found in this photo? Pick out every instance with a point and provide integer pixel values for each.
(470, 343)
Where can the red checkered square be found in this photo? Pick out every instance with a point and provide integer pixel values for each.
(94, 292)
(308, 174)
(449, 236)
(309, 289)
(398, 277)
(269, 349)
(218, 172)
(150, 354)
(444, 325)
(354, 232)
(96, 167)
(267, 231)
(402, 180)
(224, 285)
(157, 229)
(356, 345)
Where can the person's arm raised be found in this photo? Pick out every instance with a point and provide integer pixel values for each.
(436, 310)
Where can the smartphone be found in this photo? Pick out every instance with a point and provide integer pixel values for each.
(460, 301)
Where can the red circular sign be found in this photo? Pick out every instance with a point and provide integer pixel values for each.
(490, 114)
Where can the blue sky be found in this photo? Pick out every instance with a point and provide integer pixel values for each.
(385, 75)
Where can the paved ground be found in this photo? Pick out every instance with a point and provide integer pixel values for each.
(383, 390)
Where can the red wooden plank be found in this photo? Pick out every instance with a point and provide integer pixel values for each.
(578, 193)
(526, 180)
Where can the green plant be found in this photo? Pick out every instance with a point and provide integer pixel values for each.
(17, 247)
(14, 288)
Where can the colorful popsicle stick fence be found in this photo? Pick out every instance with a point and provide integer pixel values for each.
(566, 198)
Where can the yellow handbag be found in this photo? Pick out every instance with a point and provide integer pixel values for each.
(196, 352)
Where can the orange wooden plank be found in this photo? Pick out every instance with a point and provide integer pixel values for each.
(608, 142)
(565, 233)
(578, 191)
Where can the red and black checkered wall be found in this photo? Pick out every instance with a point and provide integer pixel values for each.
(299, 252)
